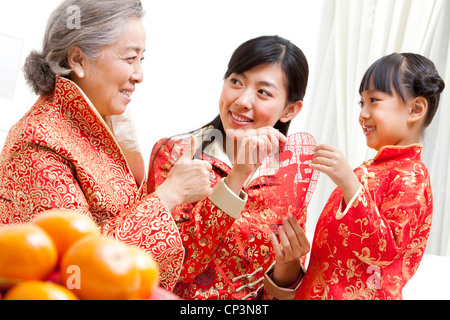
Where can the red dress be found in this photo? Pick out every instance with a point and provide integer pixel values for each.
(226, 254)
(371, 248)
(62, 154)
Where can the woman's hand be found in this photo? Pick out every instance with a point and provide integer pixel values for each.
(294, 245)
(252, 147)
(188, 181)
(332, 162)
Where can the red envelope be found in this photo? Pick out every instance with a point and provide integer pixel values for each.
(290, 182)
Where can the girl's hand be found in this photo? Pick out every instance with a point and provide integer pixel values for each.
(294, 245)
(252, 147)
(332, 162)
(188, 181)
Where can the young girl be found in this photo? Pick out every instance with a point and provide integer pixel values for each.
(372, 233)
(227, 236)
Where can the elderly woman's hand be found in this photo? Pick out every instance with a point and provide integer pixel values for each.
(188, 181)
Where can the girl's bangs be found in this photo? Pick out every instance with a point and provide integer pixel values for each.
(384, 76)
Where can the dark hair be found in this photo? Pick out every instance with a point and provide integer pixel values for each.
(269, 49)
(273, 49)
(408, 74)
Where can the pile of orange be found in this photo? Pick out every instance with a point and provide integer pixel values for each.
(61, 255)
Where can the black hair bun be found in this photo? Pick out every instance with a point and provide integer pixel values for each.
(428, 84)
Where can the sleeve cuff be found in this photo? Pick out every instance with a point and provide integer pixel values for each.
(339, 213)
(227, 200)
(279, 292)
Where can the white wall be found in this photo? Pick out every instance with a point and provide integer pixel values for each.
(22, 21)
(189, 44)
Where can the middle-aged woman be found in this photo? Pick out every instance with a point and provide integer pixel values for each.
(75, 148)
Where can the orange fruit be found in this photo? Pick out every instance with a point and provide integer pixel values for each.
(148, 271)
(39, 290)
(100, 268)
(65, 227)
(26, 252)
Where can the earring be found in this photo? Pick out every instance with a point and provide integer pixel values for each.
(81, 74)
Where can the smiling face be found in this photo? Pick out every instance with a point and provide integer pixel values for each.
(254, 99)
(385, 119)
(110, 80)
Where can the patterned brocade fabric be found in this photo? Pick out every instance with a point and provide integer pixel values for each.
(226, 258)
(62, 154)
(370, 248)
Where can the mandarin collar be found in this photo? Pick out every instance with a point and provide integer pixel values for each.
(391, 151)
(120, 127)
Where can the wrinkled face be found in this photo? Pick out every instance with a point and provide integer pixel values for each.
(110, 80)
(254, 99)
(384, 119)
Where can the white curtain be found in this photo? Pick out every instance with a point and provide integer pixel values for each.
(437, 146)
(354, 34)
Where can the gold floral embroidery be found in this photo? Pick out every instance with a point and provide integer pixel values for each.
(376, 247)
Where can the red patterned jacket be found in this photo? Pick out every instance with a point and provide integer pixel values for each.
(371, 248)
(227, 253)
(62, 154)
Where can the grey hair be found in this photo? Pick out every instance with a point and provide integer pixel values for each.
(100, 23)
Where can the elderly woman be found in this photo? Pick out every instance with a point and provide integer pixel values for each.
(75, 149)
